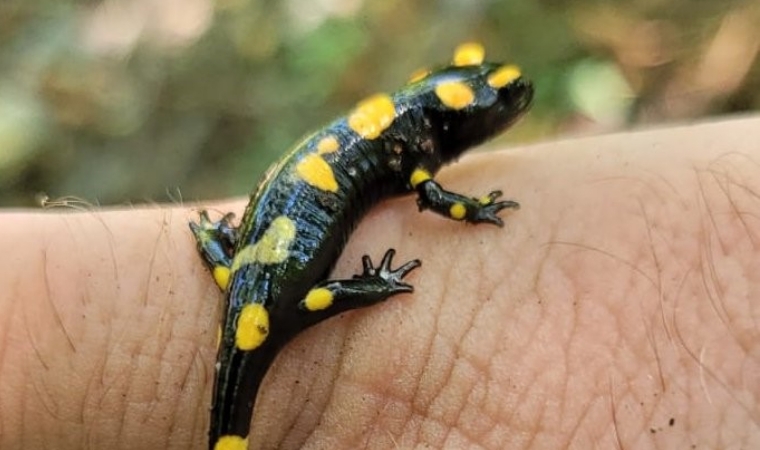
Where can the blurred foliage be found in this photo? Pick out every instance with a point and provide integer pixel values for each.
(174, 100)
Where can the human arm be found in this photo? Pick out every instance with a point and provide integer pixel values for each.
(619, 307)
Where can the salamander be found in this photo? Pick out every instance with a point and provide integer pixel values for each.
(274, 267)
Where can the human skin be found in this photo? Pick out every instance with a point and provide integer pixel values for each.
(618, 308)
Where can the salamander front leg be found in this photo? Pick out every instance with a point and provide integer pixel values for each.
(373, 285)
(455, 206)
(216, 244)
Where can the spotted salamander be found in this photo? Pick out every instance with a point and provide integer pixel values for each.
(274, 267)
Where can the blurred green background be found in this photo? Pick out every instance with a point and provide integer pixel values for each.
(132, 101)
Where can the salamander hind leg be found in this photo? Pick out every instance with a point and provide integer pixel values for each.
(216, 244)
(373, 285)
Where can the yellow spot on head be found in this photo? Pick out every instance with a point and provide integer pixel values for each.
(372, 116)
(222, 276)
(469, 54)
(252, 327)
(328, 144)
(231, 442)
(455, 94)
(503, 76)
(318, 299)
(419, 176)
(457, 211)
(314, 170)
(272, 248)
(485, 200)
(418, 75)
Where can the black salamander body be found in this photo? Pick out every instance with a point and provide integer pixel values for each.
(274, 267)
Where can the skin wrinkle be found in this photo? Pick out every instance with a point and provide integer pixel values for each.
(198, 366)
(337, 378)
(615, 317)
(6, 338)
(480, 363)
(472, 422)
(94, 393)
(443, 375)
(390, 397)
(519, 392)
(413, 423)
(165, 344)
(580, 422)
(390, 426)
(96, 380)
(522, 393)
(453, 347)
(309, 418)
(613, 410)
(555, 359)
(122, 409)
(472, 401)
(423, 393)
(568, 347)
(143, 349)
(460, 356)
(389, 388)
(382, 418)
(67, 221)
(174, 318)
(383, 396)
(451, 403)
(35, 380)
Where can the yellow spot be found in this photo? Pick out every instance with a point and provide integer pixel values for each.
(318, 299)
(457, 211)
(221, 276)
(314, 170)
(455, 94)
(503, 76)
(485, 200)
(272, 248)
(252, 327)
(231, 442)
(418, 75)
(328, 144)
(419, 176)
(372, 116)
(469, 54)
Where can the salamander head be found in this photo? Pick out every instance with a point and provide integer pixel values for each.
(472, 101)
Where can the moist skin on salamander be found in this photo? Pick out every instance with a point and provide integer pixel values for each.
(274, 267)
